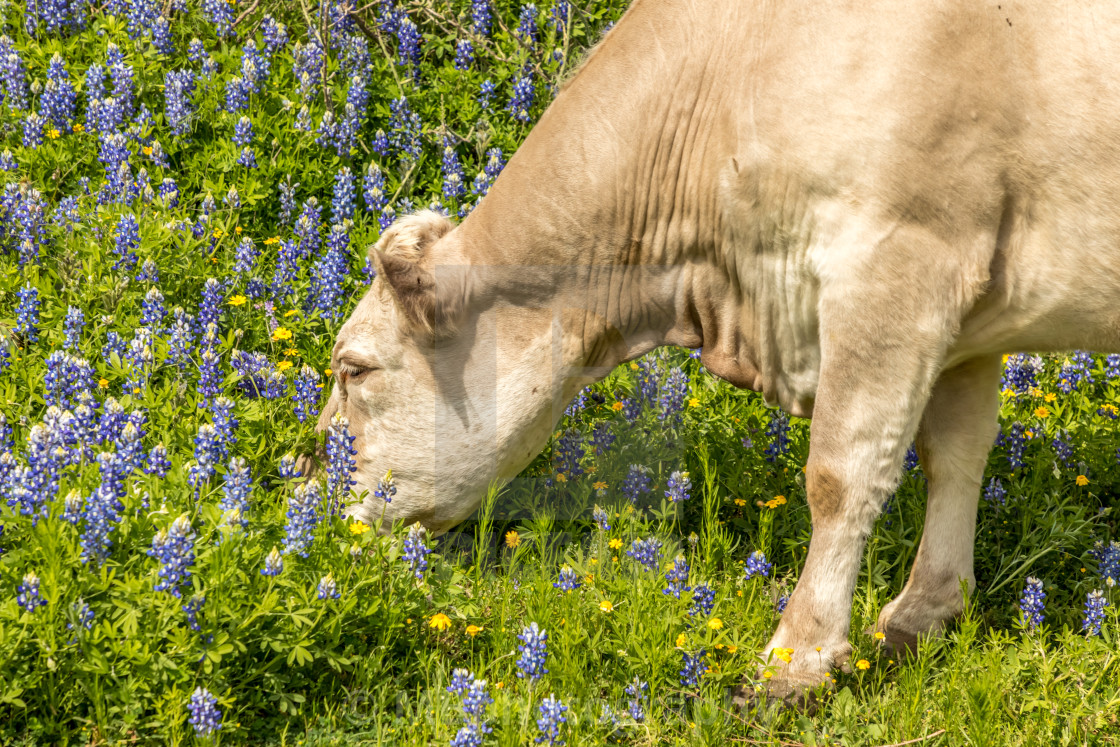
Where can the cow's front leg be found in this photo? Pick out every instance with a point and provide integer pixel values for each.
(880, 354)
(954, 438)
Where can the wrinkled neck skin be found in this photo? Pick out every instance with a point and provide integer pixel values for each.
(599, 241)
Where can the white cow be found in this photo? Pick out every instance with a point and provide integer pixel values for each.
(854, 208)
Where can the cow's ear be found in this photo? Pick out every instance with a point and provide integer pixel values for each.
(428, 284)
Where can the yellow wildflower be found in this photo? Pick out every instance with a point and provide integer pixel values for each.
(499, 685)
(1042, 412)
(440, 621)
(863, 664)
(237, 230)
(693, 402)
(634, 366)
(290, 312)
(78, 128)
(732, 649)
(615, 544)
(740, 502)
(359, 527)
(561, 477)
(606, 606)
(103, 383)
(776, 501)
(236, 300)
(1050, 397)
(53, 134)
(513, 539)
(473, 630)
(147, 150)
(217, 233)
(681, 640)
(785, 654)
(1082, 480)
(880, 635)
(271, 240)
(283, 366)
(715, 624)
(599, 485)
(617, 407)
(291, 352)
(280, 333)
(767, 674)
(327, 371)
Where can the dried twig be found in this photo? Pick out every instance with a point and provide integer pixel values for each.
(246, 13)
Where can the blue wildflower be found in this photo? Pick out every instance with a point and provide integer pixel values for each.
(778, 430)
(27, 313)
(273, 563)
(533, 650)
(569, 581)
(27, 593)
(677, 576)
(236, 489)
(703, 600)
(679, 486)
(340, 460)
(328, 589)
(757, 565)
(416, 552)
(1094, 612)
(552, 716)
(174, 548)
(1032, 604)
(647, 552)
(693, 668)
(303, 518)
(638, 692)
(205, 716)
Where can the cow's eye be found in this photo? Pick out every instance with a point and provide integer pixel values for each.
(355, 371)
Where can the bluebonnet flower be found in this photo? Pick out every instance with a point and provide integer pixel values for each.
(327, 588)
(486, 93)
(373, 189)
(255, 67)
(910, 461)
(178, 88)
(637, 482)
(578, 404)
(340, 460)
(181, 339)
(258, 377)
(673, 389)
(568, 453)
(1015, 443)
(524, 92)
(1032, 603)
(287, 200)
(275, 34)
(169, 194)
(306, 397)
(308, 60)
(307, 228)
(205, 716)
(59, 98)
(404, 130)
(129, 448)
(345, 196)
(602, 519)
(482, 15)
(161, 36)
(560, 12)
(126, 242)
(677, 576)
(647, 552)
(408, 41)
(158, 463)
(246, 256)
(1107, 558)
(191, 610)
(679, 486)
(995, 493)
(288, 469)
(225, 426)
(778, 431)
(534, 650)
(1094, 612)
(452, 170)
(1112, 366)
(757, 565)
(232, 198)
(464, 54)
(13, 76)
(303, 518)
(1020, 373)
(196, 53)
(209, 377)
(152, 310)
(236, 489)
(8, 161)
(27, 313)
(83, 616)
(174, 548)
(66, 378)
(1063, 448)
(527, 25)
(602, 437)
(243, 132)
(416, 552)
(552, 715)
(638, 692)
(485, 179)
(273, 563)
(780, 603)
(475, 702)
(569, 581)
(206, 453)
(386, 488)
(1075, 371)
(28, 596)
(692, 668)
(703, 600)
(220, 14)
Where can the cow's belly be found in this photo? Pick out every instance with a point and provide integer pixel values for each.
(789, 354)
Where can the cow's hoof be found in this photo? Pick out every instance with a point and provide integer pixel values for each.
(901, 625)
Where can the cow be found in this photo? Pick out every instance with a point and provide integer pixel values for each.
(855, 208)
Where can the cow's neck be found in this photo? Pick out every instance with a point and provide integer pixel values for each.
(611, 205)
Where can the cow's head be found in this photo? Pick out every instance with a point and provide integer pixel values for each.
(441, 383)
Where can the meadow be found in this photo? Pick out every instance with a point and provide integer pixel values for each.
(189, 192)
